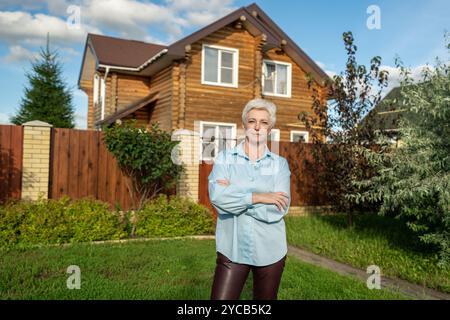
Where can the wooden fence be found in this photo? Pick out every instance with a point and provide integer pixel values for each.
(81, 166)
(11, 149)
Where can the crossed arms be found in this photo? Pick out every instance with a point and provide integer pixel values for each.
(230, 198)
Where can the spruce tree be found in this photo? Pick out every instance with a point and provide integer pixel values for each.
(47, 97)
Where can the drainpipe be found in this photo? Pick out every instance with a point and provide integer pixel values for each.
(104, 93)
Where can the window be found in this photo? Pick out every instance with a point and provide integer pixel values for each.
(302, 136)
(274, 135)
(215, 137)
(220, 66)
(277, 78)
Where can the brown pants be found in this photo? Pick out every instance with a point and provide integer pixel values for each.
(230, 277)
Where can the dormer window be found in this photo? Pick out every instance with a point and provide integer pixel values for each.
(220, 66)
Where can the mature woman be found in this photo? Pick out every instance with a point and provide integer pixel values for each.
(250, 188)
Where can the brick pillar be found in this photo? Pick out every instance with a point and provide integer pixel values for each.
(36, 160)
(188, 155)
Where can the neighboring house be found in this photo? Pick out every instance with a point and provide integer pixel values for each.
(386, 116)
(203, 81)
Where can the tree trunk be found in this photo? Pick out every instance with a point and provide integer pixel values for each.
(350, 218)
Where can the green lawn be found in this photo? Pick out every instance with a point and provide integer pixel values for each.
(378, 240)
(170, 269)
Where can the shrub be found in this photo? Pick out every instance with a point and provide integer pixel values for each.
(92, 220)
(413, 181)
(48, 221)
(44, 221)
(11, 218)
(173, 216)
(144, 155)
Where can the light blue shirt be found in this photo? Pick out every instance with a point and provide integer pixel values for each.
(249, 233)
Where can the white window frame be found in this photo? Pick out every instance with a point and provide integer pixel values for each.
(277, 134)
(305, 133)
(216, 134)
(288, 80)
(235, 66)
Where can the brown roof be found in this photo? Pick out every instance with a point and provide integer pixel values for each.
(122, 52)
(129, 109)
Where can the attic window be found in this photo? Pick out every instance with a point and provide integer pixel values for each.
(220, 66)
(277, 78)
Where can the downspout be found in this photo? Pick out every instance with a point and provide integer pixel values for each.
(104, 93)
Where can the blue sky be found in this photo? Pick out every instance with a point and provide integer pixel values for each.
(411, 29)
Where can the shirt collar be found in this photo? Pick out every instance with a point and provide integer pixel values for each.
(239, 150)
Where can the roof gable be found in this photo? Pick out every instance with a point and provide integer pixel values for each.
(290, 47)
(142, 57)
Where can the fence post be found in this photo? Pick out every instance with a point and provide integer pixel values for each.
(36, 160)
(188, 148)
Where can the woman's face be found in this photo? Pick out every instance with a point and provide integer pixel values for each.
(257, 126)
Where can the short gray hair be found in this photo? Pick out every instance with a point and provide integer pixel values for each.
(258, 103)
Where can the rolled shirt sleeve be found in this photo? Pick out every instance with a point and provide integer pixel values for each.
(269, 212)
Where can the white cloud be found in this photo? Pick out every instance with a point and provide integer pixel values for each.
(201, 12)
(201, 5)
(24, 4)
(70, 51)
(132, 19)
(18, 53)
(59, 7)
(322, 65)
(395, 76)
(201, 17)
(154, 40)
(23, 27)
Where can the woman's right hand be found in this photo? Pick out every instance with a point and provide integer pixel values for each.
(280, 199)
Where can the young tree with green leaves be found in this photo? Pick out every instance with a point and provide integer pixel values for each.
(47, 97)
(412, 182)
(144, 155)
(354, 93)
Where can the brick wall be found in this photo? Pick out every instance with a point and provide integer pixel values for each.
(36, 159)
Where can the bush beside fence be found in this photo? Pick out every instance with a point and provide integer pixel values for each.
(66, 220)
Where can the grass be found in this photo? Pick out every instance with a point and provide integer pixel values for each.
(373, 239)
(170, 269)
